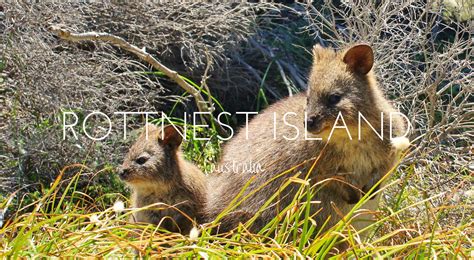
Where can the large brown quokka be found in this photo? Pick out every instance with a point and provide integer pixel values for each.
(339, 82)
(156, 171)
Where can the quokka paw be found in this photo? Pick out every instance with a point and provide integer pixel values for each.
(400, 143)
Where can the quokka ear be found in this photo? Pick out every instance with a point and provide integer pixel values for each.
(317, 50)
(171, 136)
(359, 59)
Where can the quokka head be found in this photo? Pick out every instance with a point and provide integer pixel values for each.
(339, 83)
(153, 157)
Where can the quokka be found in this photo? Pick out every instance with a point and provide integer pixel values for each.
(339, 82)
(156, 171)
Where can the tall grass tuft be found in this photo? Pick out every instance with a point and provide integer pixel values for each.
(75, 224)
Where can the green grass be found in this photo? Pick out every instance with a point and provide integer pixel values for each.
(64, 221)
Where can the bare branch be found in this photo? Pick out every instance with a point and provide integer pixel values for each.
(140, 53)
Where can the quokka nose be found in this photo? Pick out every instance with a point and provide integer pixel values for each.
(312, 122)
(123, 173)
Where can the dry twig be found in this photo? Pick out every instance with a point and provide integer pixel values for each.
(202, 105)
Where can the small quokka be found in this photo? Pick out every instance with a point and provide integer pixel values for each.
(156, 171)
(282, 137)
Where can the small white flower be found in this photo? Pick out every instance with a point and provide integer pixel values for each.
(400, 143)
(119, 206)
(194, 233)
(94, 219)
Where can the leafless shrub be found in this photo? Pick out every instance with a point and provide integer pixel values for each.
(46, 76)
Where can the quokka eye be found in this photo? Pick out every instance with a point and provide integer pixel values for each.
(141, 160)
(334, 99)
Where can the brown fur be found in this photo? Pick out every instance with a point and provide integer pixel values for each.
(166, 177)
(360, 163)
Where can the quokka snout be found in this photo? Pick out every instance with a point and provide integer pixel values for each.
(156, 172)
